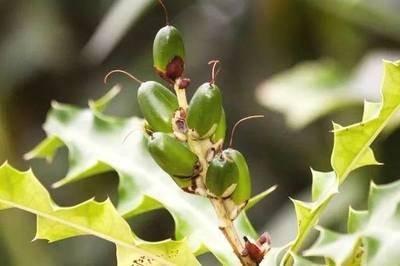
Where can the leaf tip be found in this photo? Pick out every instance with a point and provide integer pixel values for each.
(58, 184)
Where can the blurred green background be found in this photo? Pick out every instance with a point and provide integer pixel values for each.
(61, 50)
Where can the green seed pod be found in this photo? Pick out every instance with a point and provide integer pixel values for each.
(169, 53)
(243, 189)
(205, 109)
(222, 176)
(158, 105)
(173, 156)
(221, 129)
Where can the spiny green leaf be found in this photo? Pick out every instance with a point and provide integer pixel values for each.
(324, 187)
(100, 105)
(98, 142)
(374, 235)
(23, 191)
(356, 220)
(45, 149)
(351, 150)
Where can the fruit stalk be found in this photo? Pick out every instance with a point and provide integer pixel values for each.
(201, 148)
(181, 95)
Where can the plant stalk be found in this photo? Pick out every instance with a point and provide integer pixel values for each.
(201, 148)
(181, 95)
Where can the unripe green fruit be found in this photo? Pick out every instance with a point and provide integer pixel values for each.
(173, 156)
(205, 109)
(158, 105)
(220, 131)
(222, 176)
(169, 53)
(242, 192)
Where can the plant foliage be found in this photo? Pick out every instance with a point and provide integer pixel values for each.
(351, 150)
(98, 143)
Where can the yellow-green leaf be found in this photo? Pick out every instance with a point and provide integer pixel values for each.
(374, 235)
(351, 150)
(23, 191)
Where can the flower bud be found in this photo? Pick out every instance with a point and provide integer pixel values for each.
(222, 176)
(242, 192)
(204, 110)
(255, 252)
(169, 53)
(158, 105)
(173, 156)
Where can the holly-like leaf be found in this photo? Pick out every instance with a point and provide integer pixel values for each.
(313, 89)
(374, 235)
(306, 92)
(351, 150)
(23, 191)
(99, 142)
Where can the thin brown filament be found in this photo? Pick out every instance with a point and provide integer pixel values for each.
(238, 123)
(165, 11)
(214, 73)
(123, 72)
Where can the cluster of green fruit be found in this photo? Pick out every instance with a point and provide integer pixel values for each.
(186, 140)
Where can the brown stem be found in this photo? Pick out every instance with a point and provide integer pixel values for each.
(228, 229)
(201, 148)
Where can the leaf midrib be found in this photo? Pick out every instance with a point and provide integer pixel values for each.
(85, 230)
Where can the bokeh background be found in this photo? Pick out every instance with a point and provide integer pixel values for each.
(302, 63)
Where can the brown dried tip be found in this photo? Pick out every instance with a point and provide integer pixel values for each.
(106, 77)
(265, 238)
(238, 123)
(175, 68)
(165, 11)
(183, 83)
(214, 72)
(173, 71)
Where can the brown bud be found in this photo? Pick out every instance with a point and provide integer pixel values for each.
(265, 238)
(255, 252)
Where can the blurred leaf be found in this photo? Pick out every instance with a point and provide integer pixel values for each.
(274, 256)
(23, 191)
(299, 261)
(112, 28)
(313, 89)
(305, 92)
(46, 149)
(351, 150)
(96, 144)
(380, 16)
(374, 235)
